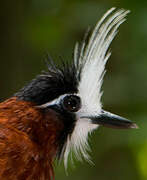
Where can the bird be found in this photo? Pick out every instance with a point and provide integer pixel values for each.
(53, 114)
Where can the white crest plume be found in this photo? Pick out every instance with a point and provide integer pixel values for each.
(90, 59)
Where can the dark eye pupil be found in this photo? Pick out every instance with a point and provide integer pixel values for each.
(71, 103)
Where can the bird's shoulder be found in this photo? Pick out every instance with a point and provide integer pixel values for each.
(16, 153)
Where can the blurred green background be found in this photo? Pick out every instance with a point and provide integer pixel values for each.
(30, 28)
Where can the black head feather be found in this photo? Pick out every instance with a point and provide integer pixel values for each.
(58, 80)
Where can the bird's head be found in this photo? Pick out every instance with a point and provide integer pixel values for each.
(73, 91)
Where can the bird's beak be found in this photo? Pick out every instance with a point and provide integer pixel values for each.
(112, 121)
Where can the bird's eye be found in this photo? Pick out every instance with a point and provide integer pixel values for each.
(71, 103)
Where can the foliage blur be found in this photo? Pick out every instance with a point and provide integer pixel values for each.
(31, 28)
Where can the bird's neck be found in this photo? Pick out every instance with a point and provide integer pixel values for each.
(41, 129)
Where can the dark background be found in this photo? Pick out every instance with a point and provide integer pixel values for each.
(30, 28)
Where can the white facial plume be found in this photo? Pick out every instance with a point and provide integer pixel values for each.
(90, 59)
